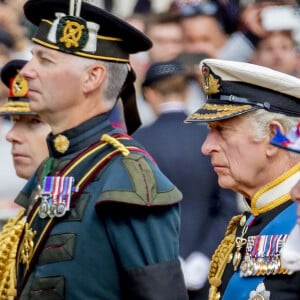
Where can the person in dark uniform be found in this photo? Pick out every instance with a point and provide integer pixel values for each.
(102, 220)
(246, 105)
(206, 208)
(28, 133)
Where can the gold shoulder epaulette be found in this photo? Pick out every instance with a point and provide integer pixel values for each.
(9, 240)
(221, 257)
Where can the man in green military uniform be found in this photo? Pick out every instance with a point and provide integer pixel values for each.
(102, 221)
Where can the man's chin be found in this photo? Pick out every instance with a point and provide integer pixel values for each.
(225, 183)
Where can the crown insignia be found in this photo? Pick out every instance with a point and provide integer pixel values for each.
(72, 33)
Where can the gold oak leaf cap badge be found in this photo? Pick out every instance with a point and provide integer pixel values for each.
(210, 82)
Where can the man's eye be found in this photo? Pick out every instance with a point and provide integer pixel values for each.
(36, 121)
(45, 60)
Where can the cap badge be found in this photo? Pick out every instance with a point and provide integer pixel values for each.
(210, 82)
(61, 143)
(19, 87)
(71, 33)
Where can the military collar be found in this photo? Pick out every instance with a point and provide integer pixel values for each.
(79, 137)
(276, 192)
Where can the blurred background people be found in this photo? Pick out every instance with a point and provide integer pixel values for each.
(166, 34)
(6, 44)
(277, 50)
(11, 17)
(206, 208)
(203, 31)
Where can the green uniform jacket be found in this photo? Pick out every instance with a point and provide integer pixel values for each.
(120, 238)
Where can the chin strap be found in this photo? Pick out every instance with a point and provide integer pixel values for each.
(128, 96)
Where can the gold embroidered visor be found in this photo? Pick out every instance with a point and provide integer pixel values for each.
(210, 112)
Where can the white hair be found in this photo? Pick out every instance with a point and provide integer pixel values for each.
(260, 120)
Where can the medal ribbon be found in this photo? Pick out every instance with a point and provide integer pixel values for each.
(242, 286)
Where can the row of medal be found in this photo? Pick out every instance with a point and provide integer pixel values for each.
(262, 256)
(56, 196)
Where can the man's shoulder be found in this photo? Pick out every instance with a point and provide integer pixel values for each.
(136, 179)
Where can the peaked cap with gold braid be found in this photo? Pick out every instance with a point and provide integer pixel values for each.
(83, 29)
(234, 88)
(17, 102)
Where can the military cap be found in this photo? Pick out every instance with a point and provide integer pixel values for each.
(83, 29)
(290, 141)
(162, 70)
(17, 102)
(234, 88)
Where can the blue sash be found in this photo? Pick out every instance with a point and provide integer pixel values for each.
(240, 287)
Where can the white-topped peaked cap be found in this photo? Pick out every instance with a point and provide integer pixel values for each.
(234, 88)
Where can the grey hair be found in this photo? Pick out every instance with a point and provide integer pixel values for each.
(116, 74)
(260, 120)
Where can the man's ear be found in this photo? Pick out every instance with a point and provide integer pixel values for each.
(93, 77)
(273, 127)
(149, 94)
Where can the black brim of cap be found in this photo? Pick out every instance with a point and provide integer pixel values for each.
(110, 25)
